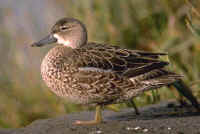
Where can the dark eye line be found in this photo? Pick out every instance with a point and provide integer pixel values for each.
(64, 27)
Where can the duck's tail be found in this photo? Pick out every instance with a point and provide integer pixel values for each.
(155, 79)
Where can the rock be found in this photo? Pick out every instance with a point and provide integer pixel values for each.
(153, 119)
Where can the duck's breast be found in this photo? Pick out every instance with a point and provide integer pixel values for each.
(57, 70)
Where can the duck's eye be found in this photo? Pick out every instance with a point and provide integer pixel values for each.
(64, 27)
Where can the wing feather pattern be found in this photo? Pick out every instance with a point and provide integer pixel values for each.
(128, 63)
(114, 75)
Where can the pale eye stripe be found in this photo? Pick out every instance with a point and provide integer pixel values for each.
(94, 69)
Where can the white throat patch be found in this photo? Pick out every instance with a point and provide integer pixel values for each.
(61, 40)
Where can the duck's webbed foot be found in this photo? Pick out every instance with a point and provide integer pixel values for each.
(97, 120)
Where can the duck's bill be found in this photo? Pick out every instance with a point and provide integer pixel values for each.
(47, 40)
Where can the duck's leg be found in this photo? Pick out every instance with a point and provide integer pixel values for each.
(97, 120)
(132, 104)
(113, 107)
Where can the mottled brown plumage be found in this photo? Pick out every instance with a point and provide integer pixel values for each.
(98, 74)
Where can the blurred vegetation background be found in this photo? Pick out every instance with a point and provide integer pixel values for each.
(152, 25)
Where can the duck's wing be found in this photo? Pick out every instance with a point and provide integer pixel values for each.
(108, 74)
(124, 62)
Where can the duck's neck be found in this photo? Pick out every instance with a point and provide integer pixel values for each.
(78, 39)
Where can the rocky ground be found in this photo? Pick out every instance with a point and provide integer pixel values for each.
(156, 119)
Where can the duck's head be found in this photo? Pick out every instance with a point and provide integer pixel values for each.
(69, 32)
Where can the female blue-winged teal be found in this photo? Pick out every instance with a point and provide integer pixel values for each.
(92, 73)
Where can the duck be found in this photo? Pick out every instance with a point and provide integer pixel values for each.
(98, 74)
